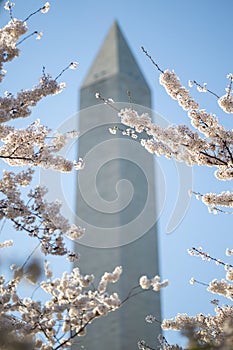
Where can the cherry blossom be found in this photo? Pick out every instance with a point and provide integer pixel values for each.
(45, 8)
(72, 303)
(154, 283)
(205, 143)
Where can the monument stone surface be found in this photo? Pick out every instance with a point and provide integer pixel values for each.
(116, 195)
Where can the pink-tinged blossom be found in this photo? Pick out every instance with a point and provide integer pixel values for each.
(144, 282)
(45, 8)
(150, 319)
(5, 244)
(154, 283)
(8, 5)
(208, 329)
(229, 252)
(178, 92)
(9, 36)
(73, 65)
(79, 165)
(109, 278)
(226, 103)
(209, 144)
(72, 302)
(39, 35)
(221, 287)
(35, 215)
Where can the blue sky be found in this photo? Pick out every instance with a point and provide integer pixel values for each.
(191, 37)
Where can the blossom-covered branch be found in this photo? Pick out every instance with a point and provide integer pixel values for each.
(34, 146)
(205, 143)
(36, 216)
(72, 305)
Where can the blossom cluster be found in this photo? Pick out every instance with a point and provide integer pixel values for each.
(70, 307)
(36, 216)
(222, 287)
(9, 36)
(226, 101)
(205, 143)
(71, 302)
(207, 329)
(35, 146)
(179, 142)
(109, 277)
(218, 287)
(28, 146)
(18, 107)
(155, 283)
(178, 92)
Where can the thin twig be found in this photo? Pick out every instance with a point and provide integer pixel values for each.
(3, 224)
(107, 101)
(63, 70)
(202, 283)
(30, 255)
(214, 157)
(26, 37)
(154, 63)
(207, 256)
(229, 87)
(33, 13)
(211, 92)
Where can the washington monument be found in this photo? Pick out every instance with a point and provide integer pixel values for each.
(116, 197)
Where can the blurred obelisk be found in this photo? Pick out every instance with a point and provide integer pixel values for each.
(116, 198)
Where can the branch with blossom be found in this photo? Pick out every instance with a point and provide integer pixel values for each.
(207, 143)
(33, 146)
(72, 302)
(206, 331)
(36, 216)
